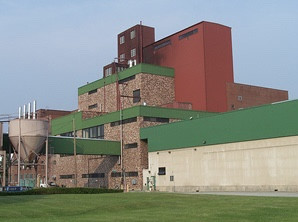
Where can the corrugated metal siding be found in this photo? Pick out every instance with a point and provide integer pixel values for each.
(269, 121)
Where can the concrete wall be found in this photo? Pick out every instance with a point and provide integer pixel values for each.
(261, 165)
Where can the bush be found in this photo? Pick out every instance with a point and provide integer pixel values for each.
(62, 190)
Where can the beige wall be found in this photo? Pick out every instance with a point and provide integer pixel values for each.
(262, 165)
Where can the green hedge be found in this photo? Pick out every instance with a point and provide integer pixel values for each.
(61, 190)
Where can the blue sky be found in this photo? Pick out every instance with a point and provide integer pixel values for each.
(50, 48)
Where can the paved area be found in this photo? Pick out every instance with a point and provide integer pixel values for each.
(260, 194)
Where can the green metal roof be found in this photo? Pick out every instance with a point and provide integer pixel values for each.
(64, 124)
(140, 68)
(269, 121)
(64, 145)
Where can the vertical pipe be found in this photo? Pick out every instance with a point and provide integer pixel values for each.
(34, 109)
(19, 153)
(141, 41)
(20, 112)
(4, 169)
(24, 112)
(29, 110)
(47, 157)
(74, 150)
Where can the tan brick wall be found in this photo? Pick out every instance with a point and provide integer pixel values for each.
(155, 91)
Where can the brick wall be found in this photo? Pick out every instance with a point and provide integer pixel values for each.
(243, 96)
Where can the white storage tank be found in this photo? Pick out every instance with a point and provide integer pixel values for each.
(33, 134)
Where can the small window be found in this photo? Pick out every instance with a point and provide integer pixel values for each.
(239, 98)
(92, 91)
(122, 39)
(131, 145)
(69, 176)
(125, 121)
(188, 34)
(122, 57)
(131, 174)
(92, 106)
(161, 171)
(171, 178)
(161, 45)
(132, 34)
(156, 119)
(108, 71)
(133, 53)
(136, 96)
(116, 174)
(93, 175)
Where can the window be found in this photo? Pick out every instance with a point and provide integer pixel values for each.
(161, 45)
(131, 174)
(116, 174)
(125, 121)
(108, 71)
(122, 39)
(69, 176)
(136, 96)
(92, 91)
(156, 119)
(171, 178)
(68, 134)
(92, 106)
(239, 98)
(133, 53)
(161, 171)
(131, 145)
(126, 79)
(93, 175)
(188, 34)
(122, 57)
(132, 34)
(96, 132)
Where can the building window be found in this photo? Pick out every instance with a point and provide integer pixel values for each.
(133, 53)
(68, 134)
(92, 106)
(122, 57)
(131, 145)
(69, 176)
(131, 174)
(171, 178)
(136, 96)
(93, 175)
(185, 35)
(156, 119)
(161, 45)
(116, 174)
(127, 79)
(239, 98)
(92, 91)
(125, 121)
(96, 132)
(161, 171)
(108, 71)
(122, 39)
(132, 34)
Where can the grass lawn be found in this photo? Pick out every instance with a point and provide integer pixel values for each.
(147, 207)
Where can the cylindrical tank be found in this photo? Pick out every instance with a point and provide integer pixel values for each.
(33, 135)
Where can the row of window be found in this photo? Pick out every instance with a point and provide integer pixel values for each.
(168, 42)
(133, 53)
(100, 175)
(132, 36)
(96, 132)
(127, 174)
(156, 119)
(125, 121)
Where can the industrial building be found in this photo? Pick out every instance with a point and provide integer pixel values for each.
(185, 83)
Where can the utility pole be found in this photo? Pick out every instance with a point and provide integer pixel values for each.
(74, 151)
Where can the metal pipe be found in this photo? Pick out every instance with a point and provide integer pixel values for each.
(29, 110)
(75, 150)
(34, 109)
(24, 112)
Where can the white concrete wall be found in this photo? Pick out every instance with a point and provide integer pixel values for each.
(262, 165)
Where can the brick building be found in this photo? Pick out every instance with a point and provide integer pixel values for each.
(187, 75)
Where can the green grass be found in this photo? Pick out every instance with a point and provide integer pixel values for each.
(146, 207)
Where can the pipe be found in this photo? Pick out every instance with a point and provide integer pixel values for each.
(24, 112)
(20, 112)
(34, 109)
(29, 110)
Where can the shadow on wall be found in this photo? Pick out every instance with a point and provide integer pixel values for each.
(105, 167)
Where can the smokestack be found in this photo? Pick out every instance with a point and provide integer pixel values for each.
(29, 110)
(34, 109)
(24, 112)
(20, 112)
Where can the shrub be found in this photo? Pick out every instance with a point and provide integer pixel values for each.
(61, 190)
